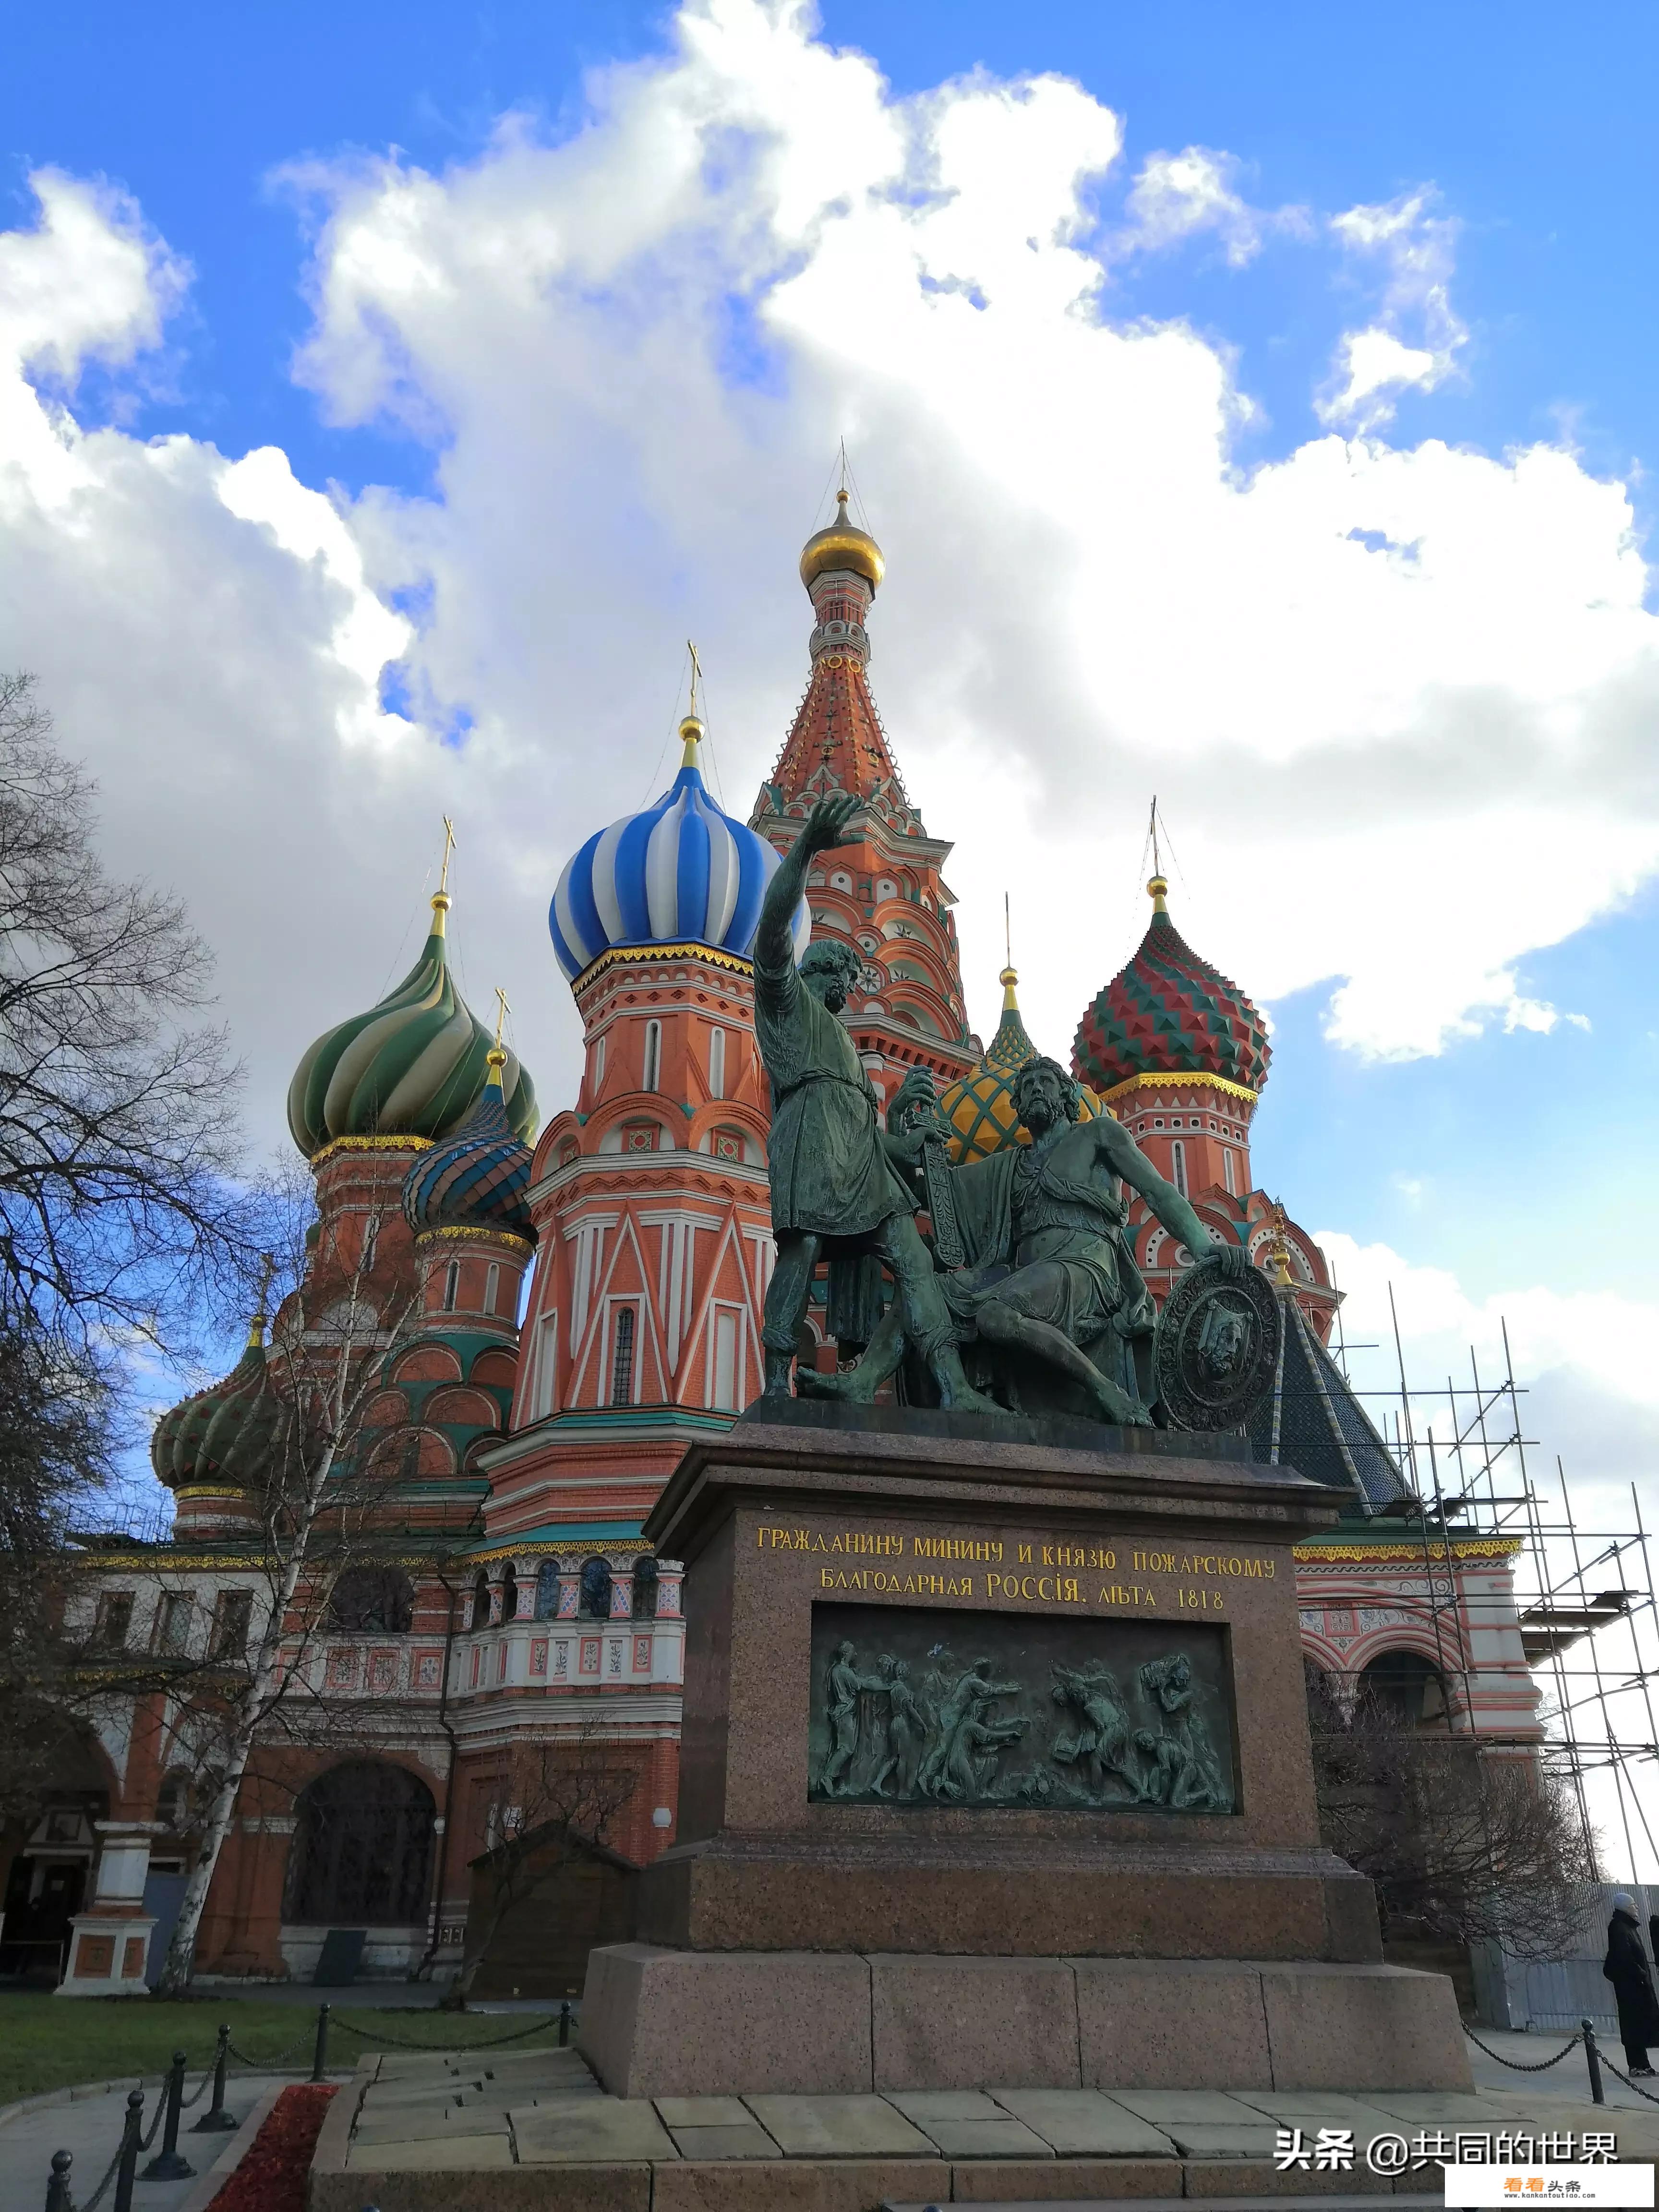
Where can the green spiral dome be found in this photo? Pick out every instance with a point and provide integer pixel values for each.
(415, 1065)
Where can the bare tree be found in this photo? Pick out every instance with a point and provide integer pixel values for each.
(559, 1798)
(119, 1143)
(325, 1509)
(1463, 1843)
(120, 1219)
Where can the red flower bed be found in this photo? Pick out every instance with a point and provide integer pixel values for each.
(272, 2176)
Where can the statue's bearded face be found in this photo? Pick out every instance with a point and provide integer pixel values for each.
(1040, 1100)
(826, 972)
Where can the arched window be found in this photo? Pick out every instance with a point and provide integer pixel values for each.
(362, 1848)
(481, 1602)
(652, 1056)
(371, 1238)
(1407, 1687)
(645, 1588)
(594, 1603)
(717, 1063)
(547, 1590)
(452, 1284)
(1178, 1166)
(598, 1077)
(1228, 1170)
(381, 1600)
(493, 1285)
(172, 1803)
(621, 1358)
(509, 1593)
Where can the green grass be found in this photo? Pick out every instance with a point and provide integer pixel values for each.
(49, 2042)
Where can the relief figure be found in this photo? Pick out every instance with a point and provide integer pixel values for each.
(845, 1685)
(1185, 1776)
(907, 1731)
(1104, 1739)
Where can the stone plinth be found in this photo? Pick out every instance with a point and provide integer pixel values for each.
(1129, 1778)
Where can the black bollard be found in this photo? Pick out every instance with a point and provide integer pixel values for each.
(564, 2025)
(216, 2120)
(319, 2057)
(1593, 2057)
(169, 2164)
(128, 2166)
(58, 2188)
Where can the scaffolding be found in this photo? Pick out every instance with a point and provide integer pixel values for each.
(1583, 1596)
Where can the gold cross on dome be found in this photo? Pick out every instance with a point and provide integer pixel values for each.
(449, 847)
(697, 672)
(501, 1012)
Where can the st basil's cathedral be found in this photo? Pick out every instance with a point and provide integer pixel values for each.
(554, 1317)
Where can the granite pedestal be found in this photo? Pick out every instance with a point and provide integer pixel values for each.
(1132, 1891)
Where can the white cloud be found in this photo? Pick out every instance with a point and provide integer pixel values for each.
(1404, 682)
(1584, 1360)
(1175, 197)
(1374, 365)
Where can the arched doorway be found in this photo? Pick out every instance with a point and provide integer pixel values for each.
(1407, 1686)
(362, 1849)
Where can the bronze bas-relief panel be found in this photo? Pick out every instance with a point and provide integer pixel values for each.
(973, 1708)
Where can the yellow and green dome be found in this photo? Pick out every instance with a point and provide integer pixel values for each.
(231, 1433)
(980, 1107)
(416, 1065)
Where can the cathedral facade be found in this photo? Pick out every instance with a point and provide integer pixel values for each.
(532, 1325)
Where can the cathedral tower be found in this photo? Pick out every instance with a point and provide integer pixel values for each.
(883, 893)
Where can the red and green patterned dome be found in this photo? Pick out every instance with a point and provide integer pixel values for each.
(1169, 1013)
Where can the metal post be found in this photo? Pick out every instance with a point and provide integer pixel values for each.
(128, 2166)
(564, 2025)
(1593, 2056)
(319, 2057)
(58, 2188)
(216, 2120)
(168, 2163)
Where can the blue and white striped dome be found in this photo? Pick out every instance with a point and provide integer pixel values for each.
(679, 874)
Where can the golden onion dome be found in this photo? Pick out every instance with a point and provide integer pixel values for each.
(842, 545)
(979, 1108)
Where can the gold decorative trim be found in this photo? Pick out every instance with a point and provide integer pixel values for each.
(1153, 1082)
(507, 1237)
(1463, 1547)
(409, 1143)
(616, 953)
(210, 1490)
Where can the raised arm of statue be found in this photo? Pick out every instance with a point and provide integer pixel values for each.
(1174, 1211)
(825, 827)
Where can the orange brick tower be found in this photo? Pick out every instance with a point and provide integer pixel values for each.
(883, 893)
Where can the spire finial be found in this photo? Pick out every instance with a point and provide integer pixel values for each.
(440, 899)
(1158, 885)
(692, 727)
(1008, 977)
(1279, 1250)
(256, 1324)
(503, 1009)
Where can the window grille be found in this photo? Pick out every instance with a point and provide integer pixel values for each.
(621, 1358)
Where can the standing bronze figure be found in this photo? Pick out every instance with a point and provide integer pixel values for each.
(836, 1192)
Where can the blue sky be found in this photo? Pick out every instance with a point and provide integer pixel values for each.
(1542, 146)
(458, 570)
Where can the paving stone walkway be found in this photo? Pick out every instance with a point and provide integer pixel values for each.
(451, 2114)
(87, 2125)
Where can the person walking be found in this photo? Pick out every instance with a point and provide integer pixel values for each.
(1627, 1968)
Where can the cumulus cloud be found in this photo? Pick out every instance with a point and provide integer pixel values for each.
(1583, 1359)
(1403, 681)
(1176, 197)
(1416, 247)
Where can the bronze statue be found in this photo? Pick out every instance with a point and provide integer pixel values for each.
(1050, 1279)
(836, 1190)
